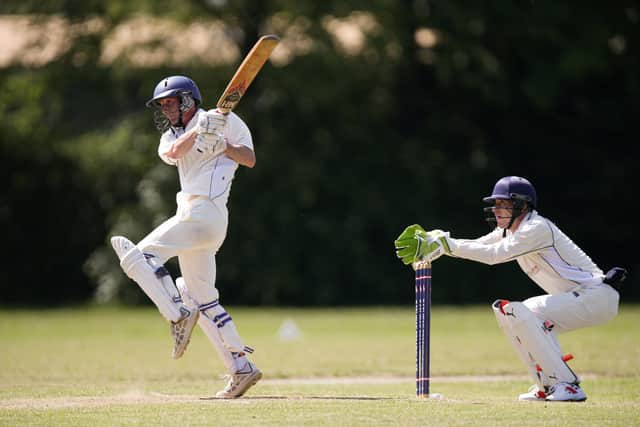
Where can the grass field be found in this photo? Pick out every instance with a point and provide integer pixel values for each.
(346, 367)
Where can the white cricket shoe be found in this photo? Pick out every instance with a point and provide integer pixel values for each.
(534, 395)
(566, 392)
(240, 382)
(182, 329)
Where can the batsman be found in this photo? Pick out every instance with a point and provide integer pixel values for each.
(578, 293)
(206, 147)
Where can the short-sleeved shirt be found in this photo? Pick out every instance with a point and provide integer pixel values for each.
(200, 174)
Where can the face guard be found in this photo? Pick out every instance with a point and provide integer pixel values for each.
(181, 87)
(186, 102)
(519, 190)
(517, 209)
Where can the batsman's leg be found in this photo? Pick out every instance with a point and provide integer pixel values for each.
(198, 269)
(209, 329)
(199, 272)
(155, 281)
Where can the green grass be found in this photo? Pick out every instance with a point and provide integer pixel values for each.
(104, 367)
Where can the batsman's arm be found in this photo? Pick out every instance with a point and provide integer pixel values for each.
(241, 154)
(239, 142)
(182, 145)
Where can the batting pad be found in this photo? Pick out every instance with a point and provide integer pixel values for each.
(534, 343)
(215, 314)
(207, 326)
(520, 350)
(135, 265)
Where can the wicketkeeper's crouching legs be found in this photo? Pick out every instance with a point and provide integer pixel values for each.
(538, 348)
(155, 281)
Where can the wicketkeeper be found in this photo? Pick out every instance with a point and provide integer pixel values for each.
(206, 147)
(578, 293)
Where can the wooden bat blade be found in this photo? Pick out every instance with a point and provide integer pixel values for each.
(246, 72)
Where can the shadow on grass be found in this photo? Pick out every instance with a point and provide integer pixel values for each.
(279, 397)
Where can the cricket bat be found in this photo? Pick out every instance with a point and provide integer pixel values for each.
(246, 72)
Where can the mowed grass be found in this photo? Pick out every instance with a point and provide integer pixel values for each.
(109, 366)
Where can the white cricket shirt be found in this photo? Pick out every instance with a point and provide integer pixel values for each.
(200, 174)
(543, 252)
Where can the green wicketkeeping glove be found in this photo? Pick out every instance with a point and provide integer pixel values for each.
(412, 231)
(415, 244)
(407, 243)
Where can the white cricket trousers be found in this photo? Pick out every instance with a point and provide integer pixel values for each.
(583, 306)
(194, 234)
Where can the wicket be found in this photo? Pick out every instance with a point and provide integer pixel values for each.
(423, 327)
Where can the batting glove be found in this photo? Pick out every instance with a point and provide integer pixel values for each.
(211, 122)
(212, 144)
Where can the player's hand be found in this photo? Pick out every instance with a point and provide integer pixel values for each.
(437, 245)
(415, 244)
(211, 122)
(412, 231)
(212, 144)
(407, 243)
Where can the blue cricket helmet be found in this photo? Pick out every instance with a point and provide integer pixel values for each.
(513, 188)
(175, 86)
